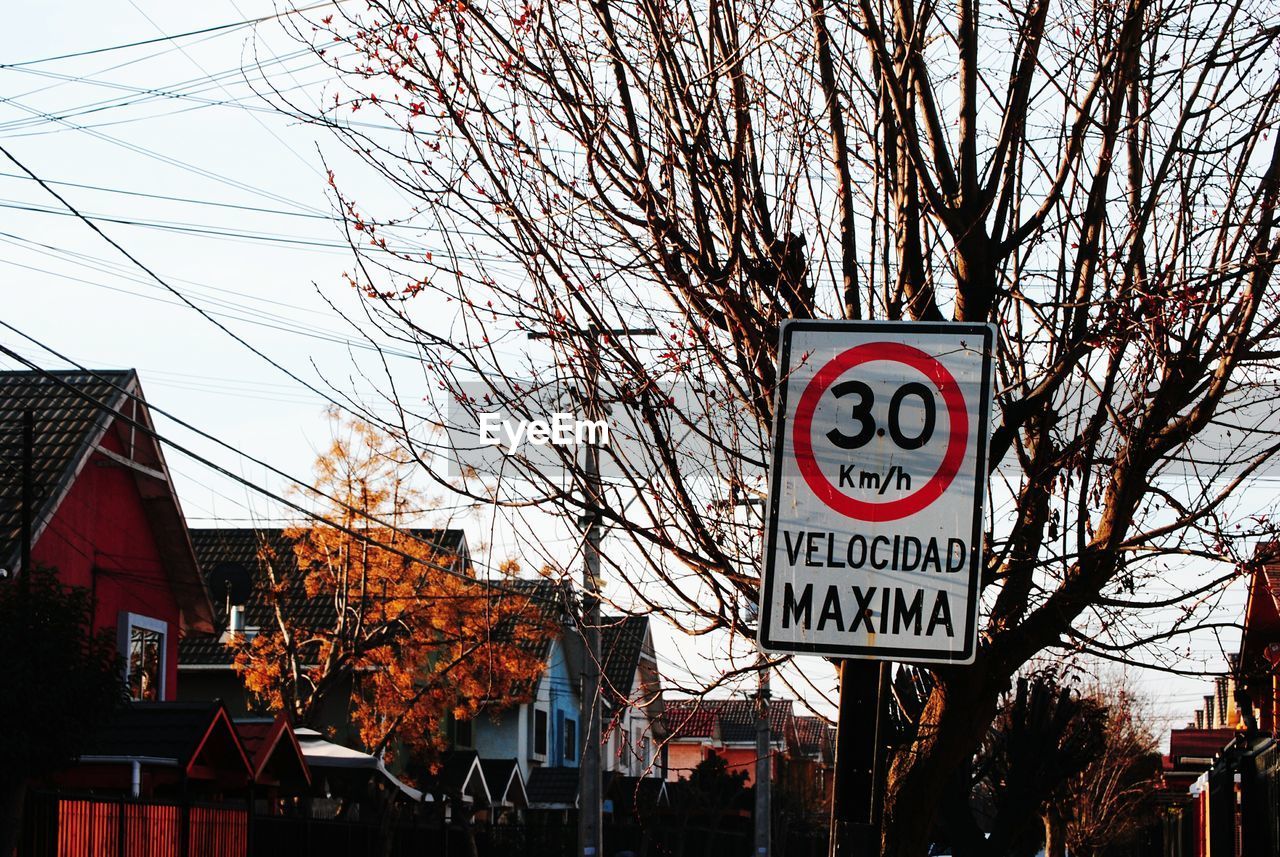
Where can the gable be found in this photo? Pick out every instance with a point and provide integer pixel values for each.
(97, 467)
(67, 424)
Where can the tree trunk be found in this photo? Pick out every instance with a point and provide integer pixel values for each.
(1055, 830)
(13, 798)
(957, 714)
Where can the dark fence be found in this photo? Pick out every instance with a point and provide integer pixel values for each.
(63, 825)
(290, 836)
(1260, 804)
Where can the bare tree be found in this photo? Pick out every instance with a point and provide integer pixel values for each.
(1111, 802)
(1097, 179)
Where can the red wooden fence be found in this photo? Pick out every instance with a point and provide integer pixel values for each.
(105, 827)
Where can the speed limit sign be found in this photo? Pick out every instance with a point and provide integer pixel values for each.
(873, 544)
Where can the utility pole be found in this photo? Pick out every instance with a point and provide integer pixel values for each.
(764, 736)
(590, 774)
(764, 756)
(590, 769)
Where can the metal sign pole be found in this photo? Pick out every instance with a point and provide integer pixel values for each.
(854, 826)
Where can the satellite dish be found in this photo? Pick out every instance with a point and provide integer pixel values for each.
(230, 583)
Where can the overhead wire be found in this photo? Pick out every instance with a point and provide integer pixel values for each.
(171, 161)
(232, 25)
(207, 231)
(176, 292)
(363, 536)
(76, 212)
(128, 273)
(185, 90)
(267, 321)
(305, 215)
(218, 83)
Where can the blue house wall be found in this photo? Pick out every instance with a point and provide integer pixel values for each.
(511, 732)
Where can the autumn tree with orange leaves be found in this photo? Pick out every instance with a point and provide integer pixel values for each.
(380, 621)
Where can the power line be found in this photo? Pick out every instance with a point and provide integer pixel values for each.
(126, 273)
(353, 532)
(234, 25)
(265, 320)
(166, 285)
(166, 159)
(330, 218)
(218, 83)
(14, 128)
(189, 201)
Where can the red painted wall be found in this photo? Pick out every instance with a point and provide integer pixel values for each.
(99, 538)
(682, 758)
(743, 759)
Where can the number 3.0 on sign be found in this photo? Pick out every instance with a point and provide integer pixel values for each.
(874, 539)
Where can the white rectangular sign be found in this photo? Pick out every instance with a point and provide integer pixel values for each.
(873, 544)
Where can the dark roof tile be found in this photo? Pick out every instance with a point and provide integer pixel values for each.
(159, 730)
(252, 549)
(814, 735)
(736, 718)
(553, 786)
(621, 643)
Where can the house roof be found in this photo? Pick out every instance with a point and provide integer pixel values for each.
(814, 736)
(738, 720)
(553, 787)
(690, 719)
(251, 550)
(730, 720)
(73, 412)
(273, 750)
(506, 784)
(1262, 613)
(551, 605)
(621, 643)
(1195, 748)
(177, 733)
(634, 793)
(460, 775)
(334, 759)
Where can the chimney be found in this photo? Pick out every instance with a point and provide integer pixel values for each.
(235, 619)
(1208, 711)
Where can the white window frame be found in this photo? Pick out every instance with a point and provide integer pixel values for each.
(129, 621)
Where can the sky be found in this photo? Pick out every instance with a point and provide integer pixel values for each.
(171, 149)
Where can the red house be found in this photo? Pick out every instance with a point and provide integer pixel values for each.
(105, 514)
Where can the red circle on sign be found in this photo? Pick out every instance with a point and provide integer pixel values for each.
(957, 414)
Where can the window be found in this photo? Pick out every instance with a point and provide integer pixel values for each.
(570, 740)
(145, 654)
(142, 645)
(539, 732)
(462, 733)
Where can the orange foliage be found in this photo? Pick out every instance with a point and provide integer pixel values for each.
(374, 620)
